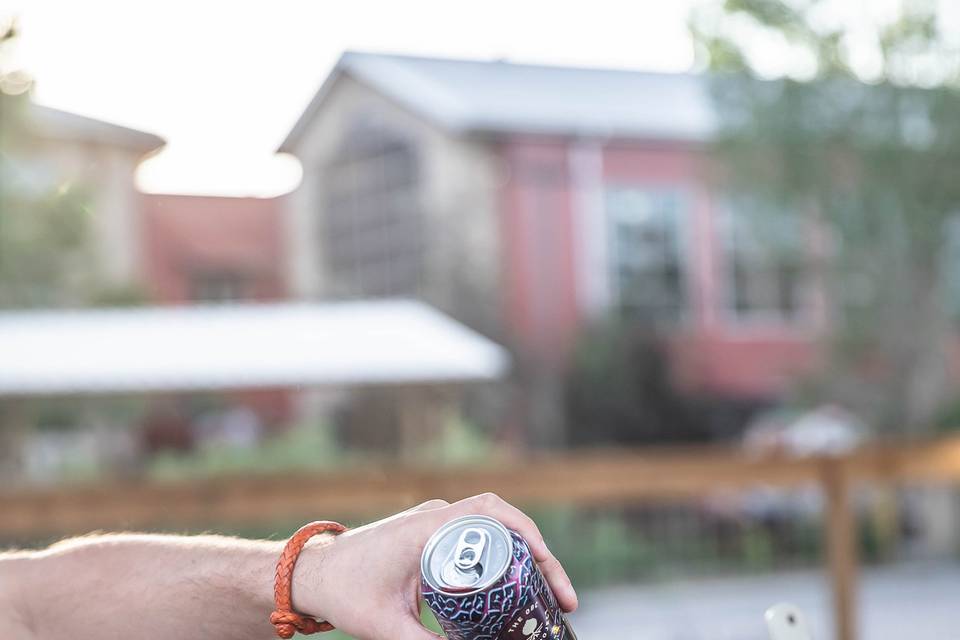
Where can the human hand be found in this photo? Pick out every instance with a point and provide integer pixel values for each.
(367, 582)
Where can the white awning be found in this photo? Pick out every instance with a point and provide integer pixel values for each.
(242, 346)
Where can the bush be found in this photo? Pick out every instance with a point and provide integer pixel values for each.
(618, 391)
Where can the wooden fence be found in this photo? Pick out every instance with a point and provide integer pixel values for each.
(608, 477)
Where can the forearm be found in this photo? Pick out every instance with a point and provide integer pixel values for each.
(141, 586)
(367, 583)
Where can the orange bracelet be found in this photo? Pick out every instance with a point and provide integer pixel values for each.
(284, 618)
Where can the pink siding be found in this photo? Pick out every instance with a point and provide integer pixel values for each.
(660, 163)
(750, 365)
(184, 233)
(539, 284)
(711, 353)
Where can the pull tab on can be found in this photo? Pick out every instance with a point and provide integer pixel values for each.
(469, 550)
(466, 555)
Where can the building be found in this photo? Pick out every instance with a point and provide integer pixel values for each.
(529, 200)
(174, 249)
(204, 249)
(161, 249)
(66, 148)
(217, 250)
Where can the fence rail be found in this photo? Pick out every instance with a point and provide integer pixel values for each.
(607, 477)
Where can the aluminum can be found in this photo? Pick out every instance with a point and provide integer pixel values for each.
(482, 583)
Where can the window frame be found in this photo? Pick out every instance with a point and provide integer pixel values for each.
(757, 318)
(357, 256)
(683, 249)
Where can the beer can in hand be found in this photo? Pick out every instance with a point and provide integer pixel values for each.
(482, 583)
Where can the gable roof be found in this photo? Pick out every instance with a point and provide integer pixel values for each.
(53, 123)
(470, 96)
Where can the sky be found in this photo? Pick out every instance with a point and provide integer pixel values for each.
(223, 82)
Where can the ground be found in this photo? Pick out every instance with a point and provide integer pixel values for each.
(917, 601)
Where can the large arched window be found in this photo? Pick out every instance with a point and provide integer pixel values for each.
(372, 220)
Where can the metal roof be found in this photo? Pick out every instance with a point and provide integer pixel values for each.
(496, 96)
(53, 123)
(242, 346)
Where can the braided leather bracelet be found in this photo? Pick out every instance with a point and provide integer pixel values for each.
(284, 618)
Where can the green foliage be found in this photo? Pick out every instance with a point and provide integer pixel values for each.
(63, 413)
(903, 44)
(758, 551)
(870, 163)
(44, 224)
(948, 419)
(309, 446)
(305, 447)
(43, 238)
(619, 391)
(120, 296)
(460, 443)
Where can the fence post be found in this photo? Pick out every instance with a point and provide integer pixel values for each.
(841, 544)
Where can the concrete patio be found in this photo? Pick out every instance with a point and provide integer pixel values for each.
(918, 600)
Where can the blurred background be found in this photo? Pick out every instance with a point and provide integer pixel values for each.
(680, 279)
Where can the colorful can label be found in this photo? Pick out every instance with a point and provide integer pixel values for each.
(482, 583)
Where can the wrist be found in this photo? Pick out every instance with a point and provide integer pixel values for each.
(308, 584)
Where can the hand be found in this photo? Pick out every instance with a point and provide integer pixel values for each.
(367, 582)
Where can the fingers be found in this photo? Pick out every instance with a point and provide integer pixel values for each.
(430, 505)
(558, 580)
(492, 505)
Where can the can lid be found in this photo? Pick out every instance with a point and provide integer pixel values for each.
(466, 555)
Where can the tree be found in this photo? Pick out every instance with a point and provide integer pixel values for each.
(860, 133)
(43, 224)
(43, 232)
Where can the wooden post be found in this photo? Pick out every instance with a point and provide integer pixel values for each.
(409, 403)
(841, 544)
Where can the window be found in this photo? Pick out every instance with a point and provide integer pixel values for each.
(372, 227)
(218, 286)
(766, 263)
(647, 255)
